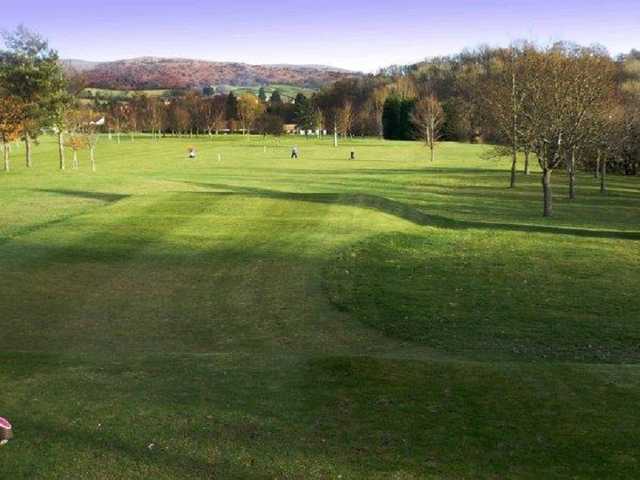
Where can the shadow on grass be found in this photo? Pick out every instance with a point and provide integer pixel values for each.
(426, 169)
(363, 417)
(147, 456)
(103, 197)
(589, 196)
(411, 214)
(107, 198)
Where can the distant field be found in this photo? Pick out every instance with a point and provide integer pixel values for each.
(287, 91)
(106, 93)
(248, 316)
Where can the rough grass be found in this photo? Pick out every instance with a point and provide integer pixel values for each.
(257, 317)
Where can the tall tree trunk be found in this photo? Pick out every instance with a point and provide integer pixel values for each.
(75, 163)
(514, 166)
(514, 127)
(5, 151)
(603, 175)
(572, 175)
(92, 155)
(61, 149)
(27, 149)
(335, 134)
(596, 172)
(527, 167)
(548, 194)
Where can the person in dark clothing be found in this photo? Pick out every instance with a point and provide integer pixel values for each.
(294, 152)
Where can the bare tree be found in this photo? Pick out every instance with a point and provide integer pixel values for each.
(405, 88)
(65, 97)
(427, 119)
(117, 118)
(156, 117)
(208, 115)
(563, 89)
(219, 116)
(344, 118)
(378, 100)
(503, 94)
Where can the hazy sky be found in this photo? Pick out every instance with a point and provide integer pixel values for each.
(356, 34)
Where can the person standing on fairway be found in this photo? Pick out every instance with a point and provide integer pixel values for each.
(294, 152)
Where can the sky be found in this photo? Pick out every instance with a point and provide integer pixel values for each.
(353, 34)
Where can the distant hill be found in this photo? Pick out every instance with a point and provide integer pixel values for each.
(79, 65)
(149, 73)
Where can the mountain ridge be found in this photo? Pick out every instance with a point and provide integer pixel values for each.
(176, 73)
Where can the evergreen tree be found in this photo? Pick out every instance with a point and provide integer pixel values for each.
(276, 99)
(262, 95)
(303, 111)
(231, 107)
(396, 118)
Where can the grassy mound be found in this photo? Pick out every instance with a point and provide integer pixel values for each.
(486, 295)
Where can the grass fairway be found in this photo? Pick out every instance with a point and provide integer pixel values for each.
(256, 317)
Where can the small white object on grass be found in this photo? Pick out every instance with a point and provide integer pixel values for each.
(219, 157)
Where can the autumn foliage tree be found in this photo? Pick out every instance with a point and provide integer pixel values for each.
(12, 113)
(80, 124)
(249, 109)
(31, 72)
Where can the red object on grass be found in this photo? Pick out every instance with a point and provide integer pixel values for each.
(6, 431)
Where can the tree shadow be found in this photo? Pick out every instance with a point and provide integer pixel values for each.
(409, 213)
(107, 198)
(103, 197)
(590, 193)
(167, 459)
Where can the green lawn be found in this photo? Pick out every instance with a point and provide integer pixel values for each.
(90, 93)
(256, 317)
(287, 91)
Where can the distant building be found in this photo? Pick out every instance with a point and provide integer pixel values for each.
(293, 129)
(290, 128)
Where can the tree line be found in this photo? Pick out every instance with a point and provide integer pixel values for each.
(562, 106)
